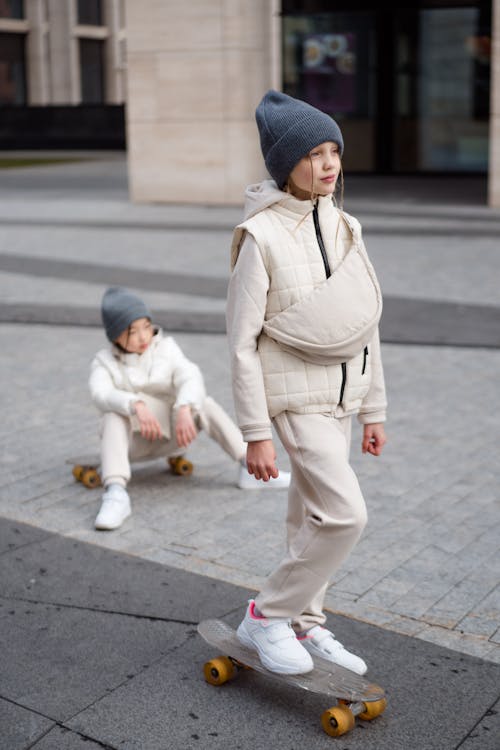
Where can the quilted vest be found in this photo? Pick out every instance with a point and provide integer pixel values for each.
(295, 380)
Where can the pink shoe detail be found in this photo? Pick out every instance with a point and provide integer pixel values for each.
(252, 612)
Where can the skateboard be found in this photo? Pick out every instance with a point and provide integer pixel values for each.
(86, 470)
(354, 695)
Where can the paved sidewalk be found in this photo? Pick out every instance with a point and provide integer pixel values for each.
(99, 650)
(428, 565)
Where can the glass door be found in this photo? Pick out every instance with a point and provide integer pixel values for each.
(442, 90)
(328, 60)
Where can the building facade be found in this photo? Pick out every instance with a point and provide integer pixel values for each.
(62, 73)
(416, 89)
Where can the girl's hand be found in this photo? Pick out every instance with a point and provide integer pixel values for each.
(261, 460)
(185, 428)
(374, 439)
(150, 427)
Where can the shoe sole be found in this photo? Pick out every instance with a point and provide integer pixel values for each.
(325, 657)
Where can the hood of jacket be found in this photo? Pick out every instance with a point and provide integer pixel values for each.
(265, 194)
(262, 196)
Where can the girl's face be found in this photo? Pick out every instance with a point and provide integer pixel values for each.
(317, 172)
(137, 337)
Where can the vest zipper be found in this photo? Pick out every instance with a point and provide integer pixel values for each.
(320, 241)
(328, 274)
(365, 356)
(344, 378)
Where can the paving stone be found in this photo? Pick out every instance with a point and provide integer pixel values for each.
(20, 726)
(101, 642)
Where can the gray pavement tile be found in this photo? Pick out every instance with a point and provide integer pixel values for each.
(20, 727)
(121, 583)
(15, 535)
(65, 658)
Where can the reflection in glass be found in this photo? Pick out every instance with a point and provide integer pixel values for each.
(11, 9)
(12, 69)
(92, 71)
(90, 12)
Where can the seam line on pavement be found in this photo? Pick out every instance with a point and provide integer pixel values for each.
(55, 724)
(179, 321)
(62, 605)
(489, 712)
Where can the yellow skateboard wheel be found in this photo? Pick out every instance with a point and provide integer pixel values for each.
(77, 472)
(373, 709)
(91, 478)
(218, 671)
(181, 466)
(337, 720)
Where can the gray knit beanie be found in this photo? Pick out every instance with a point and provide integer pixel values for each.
(119, 308)
(289, 129)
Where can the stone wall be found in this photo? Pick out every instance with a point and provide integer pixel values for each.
(196, 71)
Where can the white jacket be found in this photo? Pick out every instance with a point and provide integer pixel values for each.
(277, 264)
(118, 379)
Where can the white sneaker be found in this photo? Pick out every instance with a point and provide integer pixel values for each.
(276, 643)
(115, 508)
(321, 642)
(247, 481)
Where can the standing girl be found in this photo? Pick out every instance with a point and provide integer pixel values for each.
(303, 311)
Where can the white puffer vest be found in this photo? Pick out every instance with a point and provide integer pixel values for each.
(304, 370)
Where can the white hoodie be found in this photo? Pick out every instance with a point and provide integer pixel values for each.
(119, 379)
(277, 263)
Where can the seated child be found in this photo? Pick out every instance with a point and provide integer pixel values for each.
(153, 403)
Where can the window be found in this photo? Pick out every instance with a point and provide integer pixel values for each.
(92, 71)
(328, 62)
(89, 12)
(12, 69)
(443, 80)
(11, 9)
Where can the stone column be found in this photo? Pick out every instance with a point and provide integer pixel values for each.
(37, 54)
(494, 159)
(114, 64)
(195, 72)
(64, 74)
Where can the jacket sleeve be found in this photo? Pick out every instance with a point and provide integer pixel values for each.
(187, 379)
(246, 305)
(104, 393)
(373, 408)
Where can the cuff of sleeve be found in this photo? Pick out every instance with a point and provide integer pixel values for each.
(256, 432)
(131, 406)
(373, 417)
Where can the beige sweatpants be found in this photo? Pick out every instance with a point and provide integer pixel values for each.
(121, 444)
(326, 515)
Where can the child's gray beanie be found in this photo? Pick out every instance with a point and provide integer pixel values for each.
(119, 308)
(289, 129)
